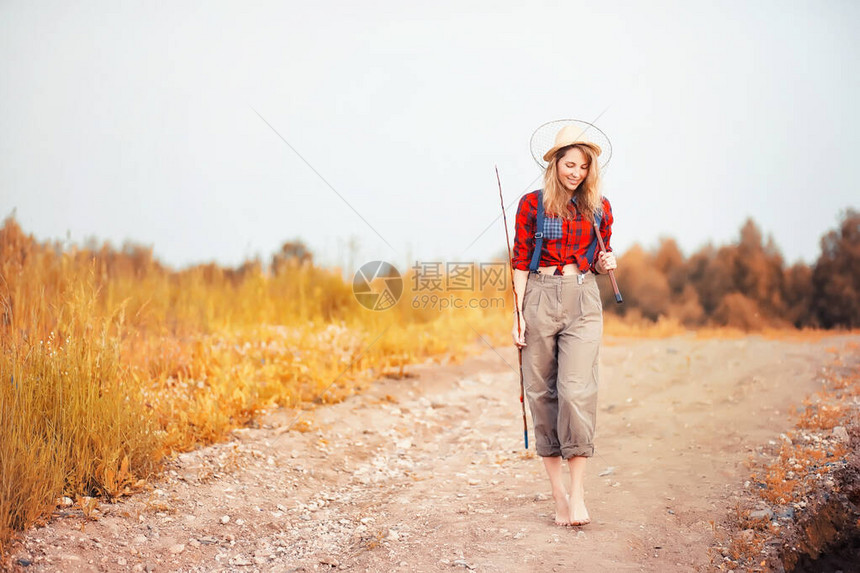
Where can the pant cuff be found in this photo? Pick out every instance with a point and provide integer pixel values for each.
(573, 451)
(548, 451)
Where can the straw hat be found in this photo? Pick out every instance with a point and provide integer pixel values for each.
(552, 136)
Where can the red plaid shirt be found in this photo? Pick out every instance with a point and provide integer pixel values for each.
(569, 247)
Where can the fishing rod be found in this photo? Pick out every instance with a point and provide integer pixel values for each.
(618, 298)
(517, 311)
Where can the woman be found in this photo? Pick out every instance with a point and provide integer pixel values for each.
(560, 312)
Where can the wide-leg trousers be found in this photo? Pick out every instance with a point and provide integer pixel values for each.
(564, 325)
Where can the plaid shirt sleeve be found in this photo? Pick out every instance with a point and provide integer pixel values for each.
(524, 240)
(605, 230)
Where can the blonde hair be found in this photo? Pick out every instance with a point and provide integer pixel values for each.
(589, 200)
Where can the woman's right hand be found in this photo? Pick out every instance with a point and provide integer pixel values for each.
(519, 335)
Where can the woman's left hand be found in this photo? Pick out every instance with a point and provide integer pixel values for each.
(605, 262)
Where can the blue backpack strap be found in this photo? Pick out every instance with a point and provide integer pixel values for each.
(539, 219)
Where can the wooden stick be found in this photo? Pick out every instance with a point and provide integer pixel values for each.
(618, 298)
(517, 310)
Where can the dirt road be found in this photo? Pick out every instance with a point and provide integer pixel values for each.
(428, 473)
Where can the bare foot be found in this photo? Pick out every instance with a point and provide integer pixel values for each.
(562, 509)
(578, 512)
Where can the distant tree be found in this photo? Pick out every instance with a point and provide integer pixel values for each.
(836, 276)
(140, 259)
(643, 285)
(291, 253)
(15, 245)
(211, 272)
(758, 271)
(249, 268)
(670, 261)
(686, 307)
(739, 311)
(797, 294)
(711, 274)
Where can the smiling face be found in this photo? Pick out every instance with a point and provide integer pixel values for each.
(572, 168)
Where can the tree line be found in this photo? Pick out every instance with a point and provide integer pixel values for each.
(746, 284)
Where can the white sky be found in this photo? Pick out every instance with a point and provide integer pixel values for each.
(135, 120)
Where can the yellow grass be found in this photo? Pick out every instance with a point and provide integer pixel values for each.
(68, 423)
(637, 327)
(634, 326)
(111, 362)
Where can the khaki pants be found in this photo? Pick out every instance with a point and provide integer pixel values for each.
(564, 323)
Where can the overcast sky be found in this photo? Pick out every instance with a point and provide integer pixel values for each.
(139, 121)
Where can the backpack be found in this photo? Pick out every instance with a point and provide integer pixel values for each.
(539, 225)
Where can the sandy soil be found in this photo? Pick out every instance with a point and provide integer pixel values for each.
(428, 473)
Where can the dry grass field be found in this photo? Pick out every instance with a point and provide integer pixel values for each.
(111, 362)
